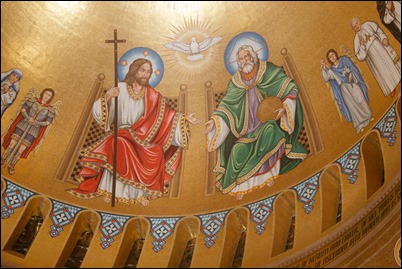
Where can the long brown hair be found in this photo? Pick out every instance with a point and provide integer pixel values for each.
(336, 54)
(130, 77)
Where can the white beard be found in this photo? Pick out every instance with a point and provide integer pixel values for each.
(247, 67)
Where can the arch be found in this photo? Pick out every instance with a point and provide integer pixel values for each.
(23, 236)
(132, 244)
(184, 243)
(331, 197)
(373, 163)
(233, 248)
(284, 222)
(79, 240)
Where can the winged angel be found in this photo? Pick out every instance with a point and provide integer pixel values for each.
(29, 126)
(194, 48)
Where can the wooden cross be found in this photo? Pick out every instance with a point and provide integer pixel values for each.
(115, 41)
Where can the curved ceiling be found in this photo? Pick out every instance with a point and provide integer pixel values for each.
(62, 45)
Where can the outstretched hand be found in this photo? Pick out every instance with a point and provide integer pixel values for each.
(191, 119)
(209, 126)
(322, 62)
(280, 111)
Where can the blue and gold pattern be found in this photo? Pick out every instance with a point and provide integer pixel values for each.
(306, 192)
(14, 197)
(161, 228)
(349, 163)
(386, 126)
(62, 214)
(111, 226)
(211, 224)
(260, 211)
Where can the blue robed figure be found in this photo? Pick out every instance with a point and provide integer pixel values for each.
(10, 86)
(349, 88)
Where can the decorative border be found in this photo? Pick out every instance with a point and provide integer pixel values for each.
(111, 226)
(161, 228)
(61, 215)
(386, 126)
(259, 213)
(211, 224)
(14, 197)
(350, 161)
(306, 192)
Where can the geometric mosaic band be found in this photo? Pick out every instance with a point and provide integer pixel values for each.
(161, 228)
(61, 215)
(349, 162)
(306, 192)
(259, 213)
(14, 197)
(211, 224)
(386, 126)
(111, 226)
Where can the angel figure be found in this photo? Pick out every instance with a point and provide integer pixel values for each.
(348, 88)
(29, 126)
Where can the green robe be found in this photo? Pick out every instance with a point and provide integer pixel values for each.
(241, 155)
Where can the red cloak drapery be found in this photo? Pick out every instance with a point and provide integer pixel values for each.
(42, 129)
(146, 158)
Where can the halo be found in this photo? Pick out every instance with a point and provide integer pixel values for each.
(258, 43)
(146, 53)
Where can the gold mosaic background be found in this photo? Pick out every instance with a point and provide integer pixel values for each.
(62, 45)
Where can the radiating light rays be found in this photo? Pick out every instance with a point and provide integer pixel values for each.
(177, 61)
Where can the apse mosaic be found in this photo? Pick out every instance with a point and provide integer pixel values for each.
(62, 214)
(258, 127)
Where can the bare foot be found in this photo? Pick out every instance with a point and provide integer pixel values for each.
(145, 202)
(11, 170)
(107, 199)
(239, 196)
(271, 183)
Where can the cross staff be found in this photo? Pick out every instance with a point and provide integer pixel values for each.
(115, 41)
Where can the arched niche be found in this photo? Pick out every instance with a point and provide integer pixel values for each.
(184, 243)
(233, 249)
(331, 197)
(79, 240)
(284, 215)
(373, 163)
(23, 236)
(132, 244)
